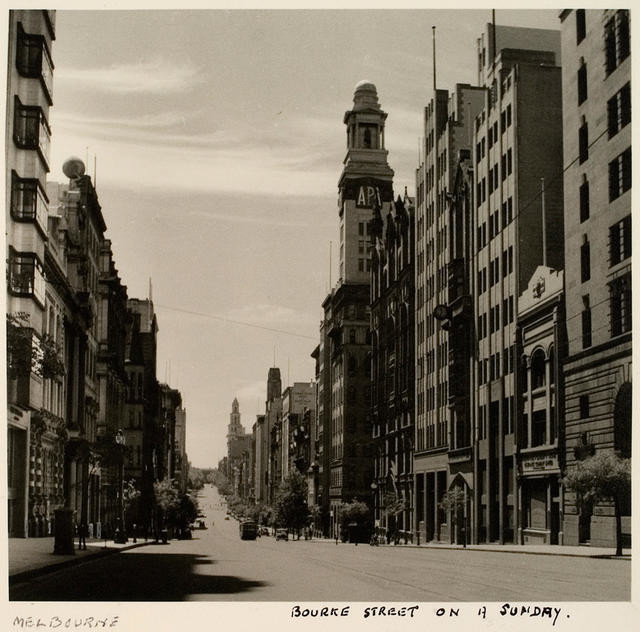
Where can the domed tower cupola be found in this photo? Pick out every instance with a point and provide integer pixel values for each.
(366, 182)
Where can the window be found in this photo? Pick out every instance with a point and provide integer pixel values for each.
(26, 275)
(620, 174)
(619, 110)
(509, 115)
(582, 83)
(620, 291)
(30, 129)
(538, 376)
(581, 26)
(33, 59)
(585, 261)
(509, 163)
(583, 142)
(616, 40)
(586, 322)
(584, 200)
(584, 406)
(620, 241)
(28, 200)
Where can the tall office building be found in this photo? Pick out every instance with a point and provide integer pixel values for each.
(27, 139)
(447, 129)
(344, 352)
(596, 84)
(518, 227)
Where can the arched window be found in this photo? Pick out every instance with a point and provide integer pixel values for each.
(552, 366)
(537, 369)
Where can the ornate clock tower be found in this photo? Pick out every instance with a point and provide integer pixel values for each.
(366, 181)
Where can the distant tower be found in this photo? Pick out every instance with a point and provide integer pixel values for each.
(274, 384)
(235, 427)
(366, 182)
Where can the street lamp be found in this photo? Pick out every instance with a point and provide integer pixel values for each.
(374, 489)
(120, 537)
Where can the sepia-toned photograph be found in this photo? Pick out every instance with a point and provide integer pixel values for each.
(319, 306)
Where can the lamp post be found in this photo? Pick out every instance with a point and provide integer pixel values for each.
(374, 489)
(120, 537)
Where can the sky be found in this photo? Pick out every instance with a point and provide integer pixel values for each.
(218, 141)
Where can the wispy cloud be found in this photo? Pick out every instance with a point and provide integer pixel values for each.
(271, 315)
(156, 77)
(251, 396)
(235, 218)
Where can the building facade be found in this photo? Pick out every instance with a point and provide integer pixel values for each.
(597, 214)
(344, 353)
(519, 226)
(392, 367)
(29, 97)
(447, 130)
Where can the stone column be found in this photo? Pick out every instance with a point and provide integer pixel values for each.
(547, 395)
(529, 404)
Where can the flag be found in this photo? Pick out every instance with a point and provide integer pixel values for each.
(393, 470)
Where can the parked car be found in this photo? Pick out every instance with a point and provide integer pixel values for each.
(282, 534)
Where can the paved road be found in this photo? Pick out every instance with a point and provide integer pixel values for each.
(217, 566)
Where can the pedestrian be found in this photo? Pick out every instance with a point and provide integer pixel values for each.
(82, 537)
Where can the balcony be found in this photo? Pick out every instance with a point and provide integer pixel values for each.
(28, 202)
(26, 276)
(31, 130)
(34, 61)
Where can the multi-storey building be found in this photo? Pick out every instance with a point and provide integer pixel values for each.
(170, 402)
(518, 226)
(457, 318)
(344, 378)
(238, 452)
(181, 467)
(447, 130)
(297, 398)
(112, 383)
(392, 366)
(541, 347)
(596, 110)
(29, 97)
(144, 439)
(267, 459)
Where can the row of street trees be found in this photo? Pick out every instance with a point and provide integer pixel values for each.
(291, 510)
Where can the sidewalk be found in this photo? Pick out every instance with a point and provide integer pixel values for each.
(527, 549)
(31, 557)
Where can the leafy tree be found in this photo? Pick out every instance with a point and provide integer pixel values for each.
(453, 501)
(356, 512)
(260, 513)
(291, 509)
(27, 354)
(604, 476)
(178, 510)
(131, 499)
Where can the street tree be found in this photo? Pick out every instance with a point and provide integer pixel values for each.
(291, 509)
(604, 476)
(26, 353)
(453, 502)
(355, 513)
